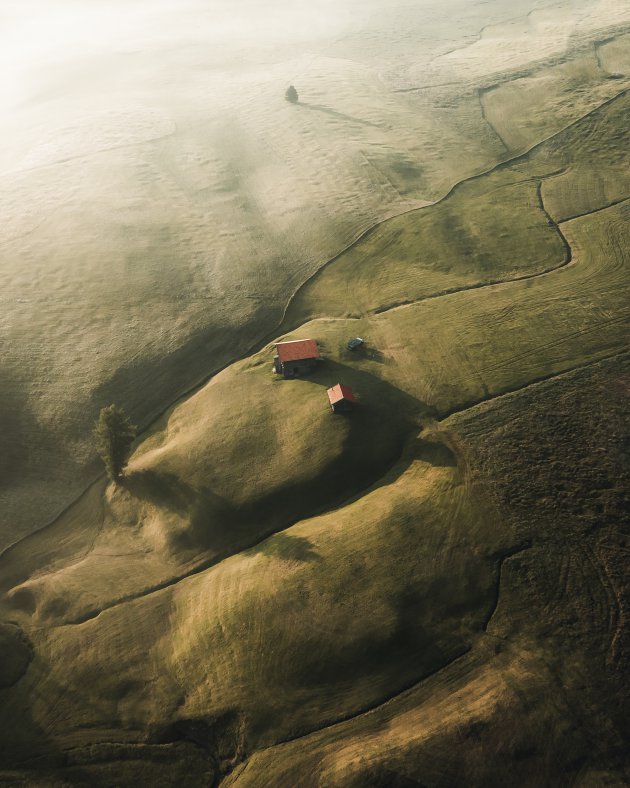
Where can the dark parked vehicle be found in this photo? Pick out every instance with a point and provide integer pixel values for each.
(355, 343)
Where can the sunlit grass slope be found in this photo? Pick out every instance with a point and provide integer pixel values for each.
(488, 230)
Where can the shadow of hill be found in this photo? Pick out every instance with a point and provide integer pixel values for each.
(25, 743)
(33, 753)
(16, 653)
(288, 547)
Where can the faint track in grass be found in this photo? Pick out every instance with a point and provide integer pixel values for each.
(597, 45)
(93, 153)
(478, 285)
(534, 382)
(501, 78)
(519, 357)
(613, 607)
(481, 92)
(611, 204)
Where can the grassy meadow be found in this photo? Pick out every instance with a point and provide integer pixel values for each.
(430, 590)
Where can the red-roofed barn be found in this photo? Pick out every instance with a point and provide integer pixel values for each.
(295, 358)
(341, 398)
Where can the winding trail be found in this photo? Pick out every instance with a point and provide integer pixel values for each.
(285, 326)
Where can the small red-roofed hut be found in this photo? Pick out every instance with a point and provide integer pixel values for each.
(341, 398)
(296, 358)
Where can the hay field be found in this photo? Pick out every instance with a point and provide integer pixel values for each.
(429, 591)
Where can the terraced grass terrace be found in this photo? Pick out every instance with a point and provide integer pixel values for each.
(431, 590)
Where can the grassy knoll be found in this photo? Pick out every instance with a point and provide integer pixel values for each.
(541, 698)
(249, 454)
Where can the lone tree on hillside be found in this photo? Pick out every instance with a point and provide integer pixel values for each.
(114, 434)
(291, 95)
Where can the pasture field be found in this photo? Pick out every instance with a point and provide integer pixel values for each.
(431, 590)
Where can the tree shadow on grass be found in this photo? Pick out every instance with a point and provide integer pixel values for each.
(437, 454)
(340, 115)
(213, 522)
(163, 489)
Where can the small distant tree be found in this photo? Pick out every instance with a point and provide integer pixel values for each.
(114, 434)
(291, 95)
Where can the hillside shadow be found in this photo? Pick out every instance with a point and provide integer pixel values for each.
(288, 547)
(16, 653)
(437, 454)
(412, 646)
(213, 522)
(162, 489)
(20, 428)
(329, 372)
(339, 115)
(26, 747)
